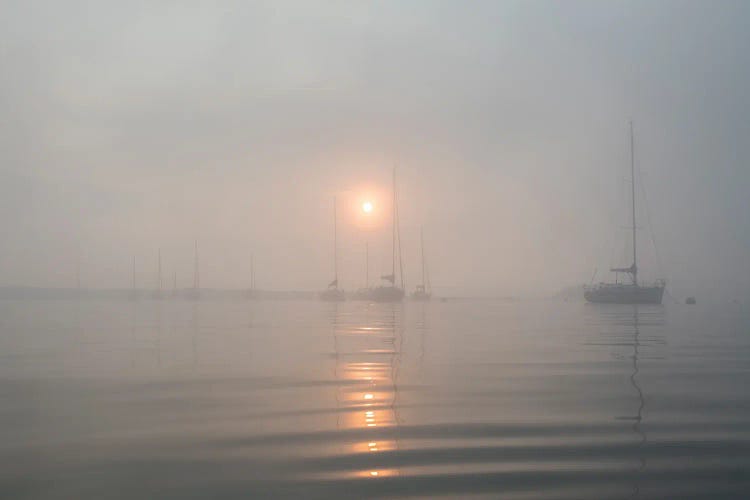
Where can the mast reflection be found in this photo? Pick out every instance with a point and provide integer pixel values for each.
(621, 329)
(638, 418)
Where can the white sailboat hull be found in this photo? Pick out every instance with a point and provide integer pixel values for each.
(624, 294)
(386, 294)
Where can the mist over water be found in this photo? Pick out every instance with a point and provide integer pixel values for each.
(137, 127)
(182, 183)
(345, 400)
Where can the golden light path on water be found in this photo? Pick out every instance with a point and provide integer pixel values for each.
(367, 357)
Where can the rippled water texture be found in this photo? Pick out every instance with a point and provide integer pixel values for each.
(179, 399)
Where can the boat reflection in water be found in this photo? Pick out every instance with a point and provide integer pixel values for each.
(367, 355)
(622, 332)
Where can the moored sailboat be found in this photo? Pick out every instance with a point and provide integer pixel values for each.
(157, 293)
(633, 292)
(364, 293)
(333, 292)
(251, 292)
(422, 291)
(195, 292)
(391, 292)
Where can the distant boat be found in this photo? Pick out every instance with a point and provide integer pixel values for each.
(133, 290)
(251, 293)
(195, 292)
(391, 293)
(157, 293)
(333, 293)
(422, 291)
(364, 293)
(633, 292)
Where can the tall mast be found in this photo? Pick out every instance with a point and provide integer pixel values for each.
(196, 275)
(160, 269)
(421, 243)
(398, 235)
(393, 227)
(335, 245)
(632, 193)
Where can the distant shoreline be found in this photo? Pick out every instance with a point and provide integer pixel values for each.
(46, 293)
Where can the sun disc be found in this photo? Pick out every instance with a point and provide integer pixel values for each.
(367, 207)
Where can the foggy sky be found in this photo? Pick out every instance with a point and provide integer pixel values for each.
(128, 127)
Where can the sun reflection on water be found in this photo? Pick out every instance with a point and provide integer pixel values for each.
(367, 357)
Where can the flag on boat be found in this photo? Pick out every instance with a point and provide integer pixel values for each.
(333, 283)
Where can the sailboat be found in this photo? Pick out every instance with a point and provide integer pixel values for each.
(422, 292)
(195, 292)
(157, 293)
(333, 292)
(633, 292)
(251, 294)
(390, 292)
(364, 293)
(133, 290)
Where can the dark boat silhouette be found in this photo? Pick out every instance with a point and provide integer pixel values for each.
(390, 292)
(633, 292)
(333, 293)
(422, 291)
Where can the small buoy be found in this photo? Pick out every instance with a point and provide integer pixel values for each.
(690, 300)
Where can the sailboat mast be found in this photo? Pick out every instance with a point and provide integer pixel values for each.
(421, 244)
(398, 234)
(335, 247)
(159, 270)
(393, 228)
(632, 193)
(196, 275)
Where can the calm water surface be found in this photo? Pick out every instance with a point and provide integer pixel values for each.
(178, 399)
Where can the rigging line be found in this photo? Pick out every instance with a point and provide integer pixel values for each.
(615, 240)
(648, 220)
(400, 255)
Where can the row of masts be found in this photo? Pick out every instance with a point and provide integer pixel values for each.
(389, 291)
(193, 292)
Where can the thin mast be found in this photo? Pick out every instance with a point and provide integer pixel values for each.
(335, 245)
(632, 193)
(421, 243)
(398, 233)
(393, 227)
(196, 275)
(160, 269)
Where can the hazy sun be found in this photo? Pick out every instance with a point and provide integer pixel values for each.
(367, 207)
